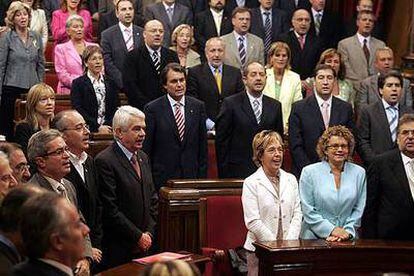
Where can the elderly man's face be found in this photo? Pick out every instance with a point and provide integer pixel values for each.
(255, 79)
(405, 139)
(215, 53)
(384, 61)
(324, 83)
(56, 162)
(76, 133)
(301, 22)
(7, 180)
(18, 164)
(133, 137)
(154, 34)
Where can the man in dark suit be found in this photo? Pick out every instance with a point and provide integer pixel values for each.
(289, 6)
(48, 151)
(305, 46)
(120, 39)
(171, 14)
(127, 192)
(212, 81)
(230, 5)
(82, 172)
(111, 17)
(53, 235)
(325, 24)
(143, 65)
(311, 116)
(367, 91)
(377, 123)
(241, 117)
(7, 180)
(176, 141)
(389, 211)
(212, 22)
(268, 23)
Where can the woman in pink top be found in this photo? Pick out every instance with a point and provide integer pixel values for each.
(68, 62)
(59, 18)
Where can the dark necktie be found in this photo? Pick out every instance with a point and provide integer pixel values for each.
(268, 32)
(242, 51)
(135, 165)
(156, 60)
(366, 51)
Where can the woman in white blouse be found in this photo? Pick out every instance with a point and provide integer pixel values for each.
(38, 23)
(270, 198)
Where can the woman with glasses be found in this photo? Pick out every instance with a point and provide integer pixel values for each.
(40, 108)
(333, 191)
(270, 198)
(94, 95)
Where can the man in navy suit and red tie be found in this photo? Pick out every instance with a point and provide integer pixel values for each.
(176, 130)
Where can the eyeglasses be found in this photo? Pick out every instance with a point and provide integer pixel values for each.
(407, 132)
(46, 99)
(59, 151)
(78, 127)
(22, 166)
(337, 146)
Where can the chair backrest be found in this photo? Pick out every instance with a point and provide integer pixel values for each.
(223, 226)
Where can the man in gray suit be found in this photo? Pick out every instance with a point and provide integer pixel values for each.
(49, 152)
(367, 92)
(119, 39)
(377, 124)
(171, 14)
(358, 50)
(242, 47)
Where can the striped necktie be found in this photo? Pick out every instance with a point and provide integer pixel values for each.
(393, 121)
(242, 52)
(256, 110)
(130, 41)
(318, 20)
(268, 32)
(179, 119)
(156, 60)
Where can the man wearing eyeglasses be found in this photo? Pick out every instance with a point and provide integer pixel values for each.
(49, 152)
(18, 161)
(389, 211)
(82, 173)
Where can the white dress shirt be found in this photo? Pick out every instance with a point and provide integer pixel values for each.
(361, 39)
(173, 102)
(409, 171)
(259, 99)
(321, 101)
(78, 162)
(125, 34)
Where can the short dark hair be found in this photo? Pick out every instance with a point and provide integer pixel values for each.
(365, 12)
(391, 73)
(119, 1)
(406, 118)
(41, 216)
(320, 67)
(240, 10)
(173, 66)
(10, 211)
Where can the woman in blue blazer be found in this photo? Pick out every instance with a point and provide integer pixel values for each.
(333, 191)
(94, 95)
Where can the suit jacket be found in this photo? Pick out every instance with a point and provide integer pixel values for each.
(290, 91)
(39, 180)
(129, 203)
(280, 23)
(330, 30)
(367, 92)
(109, 18)
(354, 57)
(202, 84)
(289, 6)
(254, 51)
(303, 60)
(68, 65)
(37, 267)
(58, 25)
(88, 200)
(9, 256)
(115, 51)
(171, 158)
(324, 207)
(181, 15)
(205, 28)
(140, 78)
(232, 4)
(389, 211)
(261, 215)
(83, 98)
(236, 126)
(306, 126)
(373, 131)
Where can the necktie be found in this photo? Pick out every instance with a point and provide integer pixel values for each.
(301, 39)
(256, 110)
(268, 32)
(325, 114)
(62, 191)
(318, 19)
(366, 51)
(135, 165)
(179, 119)
(217, 76)
(129, 42)
(393, 121)
(170, 12)
(156, 60)
(242, 51)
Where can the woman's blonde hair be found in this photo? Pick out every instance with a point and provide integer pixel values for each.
(13, 9)
(339, 131)
(177, 30)
(276, 47)
(261, 141)
(171, 268)
(35, 94)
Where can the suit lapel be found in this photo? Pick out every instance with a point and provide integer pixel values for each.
(43, 182)
(169, 116)
(123, 160)
(382, 118)
(90, 90)
(266, 110)
(72, 51)
(399, 172)
(211, 24)
(137, 37)
(233, 47)
(359, 51)
(119, 37)
(250, 47)
(313, 104)
(189, 119)
(247, 108)
(146, 55)
(211, 79)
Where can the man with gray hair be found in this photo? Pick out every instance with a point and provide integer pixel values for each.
(53, 235)
(17, 160)
(127, 191)
(49, 152)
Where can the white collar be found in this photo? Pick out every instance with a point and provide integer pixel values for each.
(361, 38)
(386, 105)
(58, 265)
(315, 12)
(151, 51)
(74, 159)
(123, 27)
(252, 99)
(237, 36)
(321, 101)
(93, 79)
(173, 102)
(215, 13)
(262, 11)
(54, 183)
(167, 6)
(406, 160)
